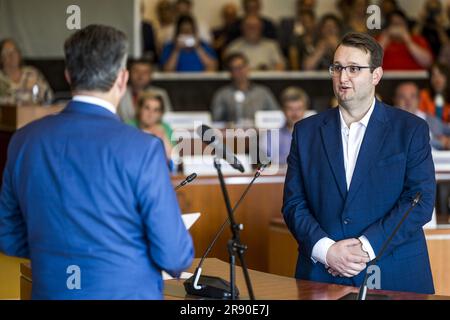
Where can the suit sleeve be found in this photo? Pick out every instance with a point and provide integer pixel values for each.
(299, 219)
(419, 177)
(13, 229)
(170, 244)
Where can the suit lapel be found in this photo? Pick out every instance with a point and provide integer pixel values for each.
(374, 137)
(332, 141)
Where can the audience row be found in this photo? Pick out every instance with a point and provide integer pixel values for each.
(302, 42)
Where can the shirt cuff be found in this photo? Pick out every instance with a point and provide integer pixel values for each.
(367, 247)
(320, 250)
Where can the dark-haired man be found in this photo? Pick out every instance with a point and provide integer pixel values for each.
(239, 101)
(87, 198)
(353, 172)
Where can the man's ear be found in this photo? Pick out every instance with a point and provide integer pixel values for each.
(123, 79)
(377, 74)
(67, 76)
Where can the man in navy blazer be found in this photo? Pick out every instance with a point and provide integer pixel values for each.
(353, 172)
(87, 198)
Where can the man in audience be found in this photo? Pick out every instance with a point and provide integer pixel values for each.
(295, 102)
(222, 33)
(265, 53)
(140, 81)
(240, 100)
(253, 8)
(407, 97)
(88, 198)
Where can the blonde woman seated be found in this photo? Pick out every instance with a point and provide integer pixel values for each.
(18, 83)
(150, 109)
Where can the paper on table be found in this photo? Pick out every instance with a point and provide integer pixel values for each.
(188, 219)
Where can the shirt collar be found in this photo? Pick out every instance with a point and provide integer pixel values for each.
(97, 101)
(364, 121)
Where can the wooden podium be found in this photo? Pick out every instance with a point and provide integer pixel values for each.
(266, 286)
(14, 117)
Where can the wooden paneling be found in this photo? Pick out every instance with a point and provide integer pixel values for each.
(262, 203)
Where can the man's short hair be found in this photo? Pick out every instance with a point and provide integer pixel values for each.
(293, 94)
(94, 56)
(235, 56)
(367, 44)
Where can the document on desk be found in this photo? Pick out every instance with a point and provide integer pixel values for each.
(188, 219)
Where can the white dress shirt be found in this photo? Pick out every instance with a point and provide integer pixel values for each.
(97, 101)
(351, 142)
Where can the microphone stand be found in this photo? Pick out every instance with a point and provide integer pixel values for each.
(362, 293)
(234, 245)
(214, 287)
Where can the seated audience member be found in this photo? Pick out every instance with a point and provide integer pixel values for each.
(187, 53)
(264, 53)
(253, 8)
(165, 14)
(185, 8)
(402, 49)
(407, 98)
(356, 18)
(150, 110)
(435, 100)
(444, 54)
(240, 100)
(431, 25)
(329, 34)
(294, 27)
(140, 81)
(294, 102)
(149, 50)
(221, 34)
(20, 84)
(302, 45)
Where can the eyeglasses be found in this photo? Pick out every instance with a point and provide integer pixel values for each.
(352, 71)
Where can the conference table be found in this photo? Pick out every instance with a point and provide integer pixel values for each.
(265, 286)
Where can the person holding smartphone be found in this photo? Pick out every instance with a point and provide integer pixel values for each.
(187, 53)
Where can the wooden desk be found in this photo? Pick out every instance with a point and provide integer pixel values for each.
(266, 286)
(273, 287)
(262, 203)
(283, 253)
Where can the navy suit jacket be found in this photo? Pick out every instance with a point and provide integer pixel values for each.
(394, 163)
(83, 189)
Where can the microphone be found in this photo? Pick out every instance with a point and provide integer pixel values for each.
(362, 294)
(215, 287)
(189, 179)
(207, 135)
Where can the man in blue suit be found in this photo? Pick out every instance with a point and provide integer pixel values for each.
(87, 198)
(353, 173)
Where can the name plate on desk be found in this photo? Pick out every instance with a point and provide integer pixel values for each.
(187, 120)
(15, 117)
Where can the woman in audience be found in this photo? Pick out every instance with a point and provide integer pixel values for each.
(187, 53)
(402, 49)
(20, 84)
(149, 119)
(302, 45)
(435, 100)
(329, 34)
